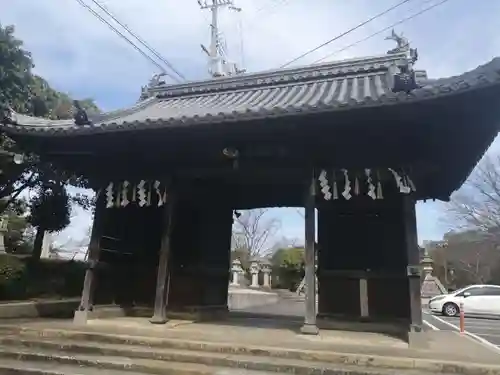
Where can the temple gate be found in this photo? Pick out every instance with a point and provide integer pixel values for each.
(360, 140)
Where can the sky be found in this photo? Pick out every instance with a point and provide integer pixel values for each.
(79, 55)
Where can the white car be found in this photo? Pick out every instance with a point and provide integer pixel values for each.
(480, 300)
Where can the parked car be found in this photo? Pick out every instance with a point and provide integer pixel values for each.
(477, 300)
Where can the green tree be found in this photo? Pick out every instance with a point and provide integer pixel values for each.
(288, 265)
(30, 94)
(53, 104)
(50, 211)
(291, 258)
(15, 71)
(17, 238)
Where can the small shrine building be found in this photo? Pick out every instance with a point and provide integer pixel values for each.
(360, 140)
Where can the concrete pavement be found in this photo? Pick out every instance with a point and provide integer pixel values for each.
(285, 307)
(486, 331)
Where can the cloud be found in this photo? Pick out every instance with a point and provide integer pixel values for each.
(78, 54)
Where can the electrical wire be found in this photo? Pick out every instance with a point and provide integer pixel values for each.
(138, 38)
(384, 29)
(250, 24)
(120, 34)
(346, 32)
(274, 4)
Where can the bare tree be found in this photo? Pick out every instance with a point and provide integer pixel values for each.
(252, 231)
(477, 205)
(477, 270)
(286, 242)
(472, 247)
(462, 259)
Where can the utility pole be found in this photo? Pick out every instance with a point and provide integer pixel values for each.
(218, 64)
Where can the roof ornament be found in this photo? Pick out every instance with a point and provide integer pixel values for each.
(144, 93)
(80, 115)
(403, 45)
(155, 81)
(404, 78)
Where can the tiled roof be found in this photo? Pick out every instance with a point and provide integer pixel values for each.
(329, 87)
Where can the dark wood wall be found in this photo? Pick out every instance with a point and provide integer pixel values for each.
(359, 239)
(201, 242)
(363, 239)
(199, 261)
(129, 255)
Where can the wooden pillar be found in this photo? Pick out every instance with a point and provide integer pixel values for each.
(160, 308)
(86, 302)
(413, 269)
(309, 326)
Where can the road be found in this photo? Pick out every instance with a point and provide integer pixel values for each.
(486, 331)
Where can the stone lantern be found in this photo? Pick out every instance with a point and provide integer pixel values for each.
(254, 271)
(427, 264)
(236, 270)
(3, 230)
(266, 268)
(431, 285)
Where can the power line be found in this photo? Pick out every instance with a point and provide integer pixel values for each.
(138, 38)
(270, 11)
(274, 4)
(384, 29)
(100, 18)
(346, 32)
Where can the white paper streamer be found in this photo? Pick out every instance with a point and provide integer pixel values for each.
(347, 186)
(110, 201)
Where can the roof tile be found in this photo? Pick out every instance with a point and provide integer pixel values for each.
(327, 88)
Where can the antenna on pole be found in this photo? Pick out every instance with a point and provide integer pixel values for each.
(218, 64)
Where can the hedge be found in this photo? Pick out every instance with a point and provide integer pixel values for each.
(22, 278)
(287, 278)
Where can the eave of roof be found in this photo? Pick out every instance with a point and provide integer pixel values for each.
(330, 87)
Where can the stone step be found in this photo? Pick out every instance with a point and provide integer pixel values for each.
(145, 359)
(149, 360)
(198, 364)
(64, 342)
(79, 364)
(15, 367)
(154, 347)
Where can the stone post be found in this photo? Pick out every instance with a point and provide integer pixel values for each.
(254, 270)
(3, 230)
(46, 244)
(266, 270)
(236, 269)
